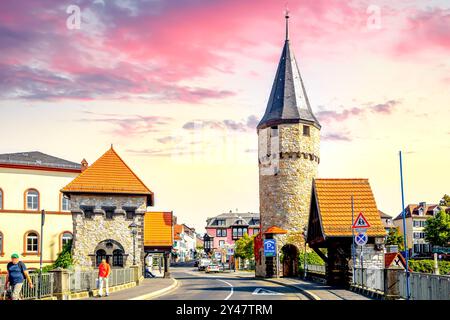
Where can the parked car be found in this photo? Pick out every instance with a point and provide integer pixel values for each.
(196, 263)
(203, 263)
(212, 268)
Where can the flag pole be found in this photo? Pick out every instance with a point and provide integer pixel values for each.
(404, 229)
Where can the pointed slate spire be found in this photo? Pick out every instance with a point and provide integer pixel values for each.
(288, 102)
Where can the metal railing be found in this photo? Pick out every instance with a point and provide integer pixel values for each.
(316, 268)
(87, 280)
(369, 278)
(425, 286)
(41, 289)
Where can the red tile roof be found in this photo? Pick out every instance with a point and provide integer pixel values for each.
(275, 230)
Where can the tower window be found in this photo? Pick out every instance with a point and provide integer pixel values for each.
(306, 131)
(274, 131)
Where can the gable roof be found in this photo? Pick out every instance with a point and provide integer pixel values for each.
(333, 200)
(158, 229)
(37, 159)
(111, 175)
(250, 218)
(413, 209)
(177, 230)
(384, 215)
(288, 101)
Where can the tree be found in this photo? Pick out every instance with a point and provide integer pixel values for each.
(445, 201)
(437, 229)
(243, 247)
(395, 238)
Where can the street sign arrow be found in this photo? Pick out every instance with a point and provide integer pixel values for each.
(360, 222)
(266, 292)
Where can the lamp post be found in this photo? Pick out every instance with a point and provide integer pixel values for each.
(133, 227)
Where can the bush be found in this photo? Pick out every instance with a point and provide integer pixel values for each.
(427, 266)
(64, 259)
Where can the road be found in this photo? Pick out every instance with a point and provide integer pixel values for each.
(198, 285)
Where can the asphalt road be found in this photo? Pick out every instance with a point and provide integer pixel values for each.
(198, 285)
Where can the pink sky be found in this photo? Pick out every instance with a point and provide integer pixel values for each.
(166, 80)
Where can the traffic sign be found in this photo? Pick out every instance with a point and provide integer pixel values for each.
(360, 222)
(361, 239)
(269, 247)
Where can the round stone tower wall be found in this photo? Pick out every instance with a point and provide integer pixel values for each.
(285, 196)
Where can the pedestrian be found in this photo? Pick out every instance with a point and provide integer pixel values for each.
(17, 273)
(104, 271)
(149, 267)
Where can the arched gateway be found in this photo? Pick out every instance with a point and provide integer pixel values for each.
(289, 260)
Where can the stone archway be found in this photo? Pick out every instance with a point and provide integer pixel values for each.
(290, 260)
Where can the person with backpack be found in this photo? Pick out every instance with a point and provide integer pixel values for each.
(17, 273)
(104, 271)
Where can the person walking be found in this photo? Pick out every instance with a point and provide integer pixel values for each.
(104, 271)
(17, 273)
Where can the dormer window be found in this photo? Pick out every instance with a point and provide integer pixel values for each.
(220, 222)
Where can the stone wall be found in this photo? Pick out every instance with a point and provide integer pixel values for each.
(89, 232)
(285, 196)
(372, 258)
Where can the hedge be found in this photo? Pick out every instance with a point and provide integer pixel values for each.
(427, 266)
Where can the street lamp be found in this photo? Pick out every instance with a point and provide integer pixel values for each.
(133, 227)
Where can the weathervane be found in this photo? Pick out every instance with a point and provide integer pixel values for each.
(286, 15)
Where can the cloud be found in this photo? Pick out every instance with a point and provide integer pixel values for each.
(246, 125)
(130, 125)
(385, 108)
(336, 137)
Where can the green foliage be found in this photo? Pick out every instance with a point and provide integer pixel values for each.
(445, 201)
(437, 229)
(64, 259)
(311, 258)
(427, 266)
(395, 238)
(244, 247)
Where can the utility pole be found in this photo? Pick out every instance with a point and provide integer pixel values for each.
(404, 229)
(353, 243)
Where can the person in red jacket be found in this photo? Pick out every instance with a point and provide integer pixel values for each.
(103, 273)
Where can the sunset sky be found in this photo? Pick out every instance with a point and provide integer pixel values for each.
(178, 87)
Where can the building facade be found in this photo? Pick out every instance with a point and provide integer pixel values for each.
(185, 243)
(31, 182)
(108, 202)
(388, 221)
(416, 216)
(289, 155)
(226, 228)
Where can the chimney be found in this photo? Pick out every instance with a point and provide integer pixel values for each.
(84, 165)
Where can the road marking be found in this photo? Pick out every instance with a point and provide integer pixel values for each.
(231, 287)
(266, 292)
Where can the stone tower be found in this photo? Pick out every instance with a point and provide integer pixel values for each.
(288, 151)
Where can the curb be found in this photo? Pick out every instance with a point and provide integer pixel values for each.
(307, 293)
(157, 293)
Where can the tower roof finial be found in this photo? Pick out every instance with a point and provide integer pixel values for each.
(286, 16)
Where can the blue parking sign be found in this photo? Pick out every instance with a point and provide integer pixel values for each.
(269, 247)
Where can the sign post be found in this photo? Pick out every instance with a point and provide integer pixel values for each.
(361, 225)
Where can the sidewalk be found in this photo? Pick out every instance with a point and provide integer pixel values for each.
(148, 288)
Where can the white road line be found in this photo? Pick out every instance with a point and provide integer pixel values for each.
(231, 286)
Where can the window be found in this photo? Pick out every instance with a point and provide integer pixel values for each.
(221, 232)
(66, 238)
(306, 131)
(274, 131)
(99, 256)
(416, 248)
(32, 198)
(221, 243)
(1, 201)
(239, 232)
(32, 242)
(255, 230)
(117, 258)
(220, 222)
(65, 203)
